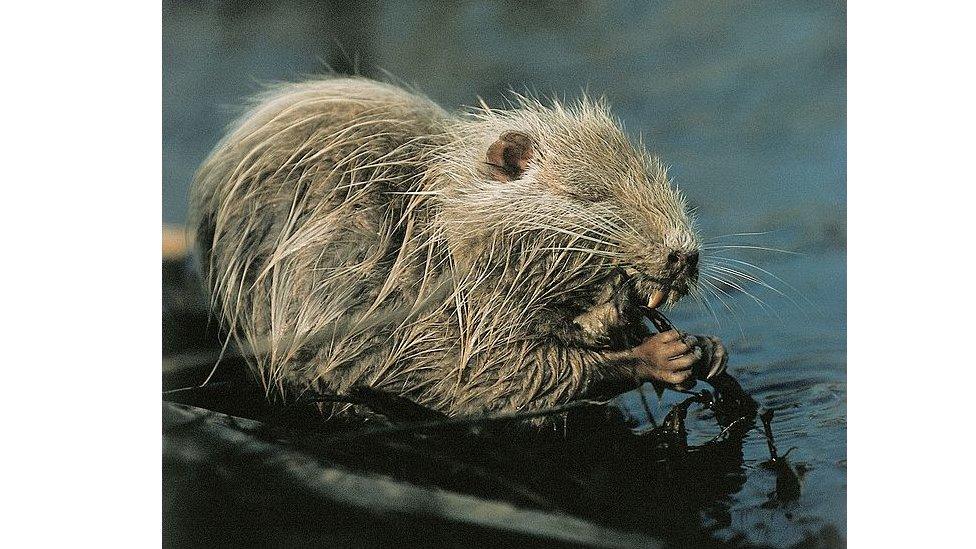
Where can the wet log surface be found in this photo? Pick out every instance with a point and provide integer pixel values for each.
(227, 483)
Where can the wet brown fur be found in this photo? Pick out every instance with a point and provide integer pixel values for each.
(353, 232)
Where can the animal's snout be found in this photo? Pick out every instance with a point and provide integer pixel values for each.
(682, 261)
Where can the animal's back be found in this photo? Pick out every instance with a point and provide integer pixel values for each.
(299, 214)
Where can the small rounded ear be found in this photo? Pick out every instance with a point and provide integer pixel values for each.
(509, 156)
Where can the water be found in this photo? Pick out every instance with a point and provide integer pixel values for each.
(793, 363)
(746, 102)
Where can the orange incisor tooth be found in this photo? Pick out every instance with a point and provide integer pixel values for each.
(656, 299)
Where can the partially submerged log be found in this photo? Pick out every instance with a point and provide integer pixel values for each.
(225, 483)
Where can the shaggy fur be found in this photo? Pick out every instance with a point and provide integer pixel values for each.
(351, 232)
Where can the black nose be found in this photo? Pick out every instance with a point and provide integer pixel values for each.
(683, 260)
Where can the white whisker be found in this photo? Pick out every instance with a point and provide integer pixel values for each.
(721, 236)
(750, 278)
(800, 294)
(744, 247)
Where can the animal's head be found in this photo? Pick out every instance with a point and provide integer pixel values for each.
(567, 180)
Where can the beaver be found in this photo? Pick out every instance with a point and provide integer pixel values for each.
(351, 232)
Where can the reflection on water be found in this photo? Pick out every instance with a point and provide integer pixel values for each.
(744, 101)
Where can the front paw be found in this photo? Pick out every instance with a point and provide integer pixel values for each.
(668, 358)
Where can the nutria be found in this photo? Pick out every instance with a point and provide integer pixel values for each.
(352, 232)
